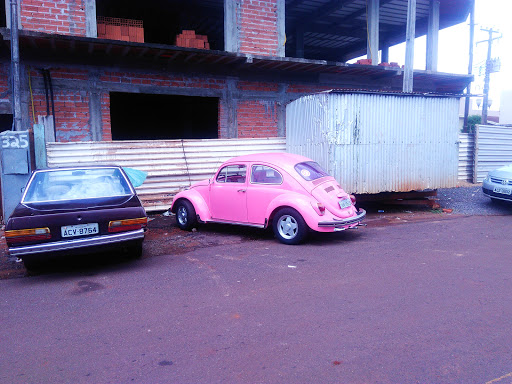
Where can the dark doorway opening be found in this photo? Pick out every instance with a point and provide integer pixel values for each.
(137, 116)
(6, 122)
(3, 14)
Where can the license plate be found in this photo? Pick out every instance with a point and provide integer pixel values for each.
(503, 190)
(345, 203)
(79, 230)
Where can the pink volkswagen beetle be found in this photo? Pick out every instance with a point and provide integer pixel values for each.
(291, 193)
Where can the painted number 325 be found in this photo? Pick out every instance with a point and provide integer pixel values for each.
(19, 141)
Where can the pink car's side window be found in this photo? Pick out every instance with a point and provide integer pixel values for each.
(232, 174)
(261, 174)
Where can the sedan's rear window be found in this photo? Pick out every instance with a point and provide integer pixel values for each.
(59, 185)
(310, 170)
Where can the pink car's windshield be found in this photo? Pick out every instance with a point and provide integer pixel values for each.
(310, 170)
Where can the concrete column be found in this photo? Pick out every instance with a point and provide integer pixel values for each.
(231, 28)
(232, 108)
(91, 28)
(385, 55)
(95, 121)
(372, 46)
(281, 28)
(409, 46)
(299, 42)
(433, 36)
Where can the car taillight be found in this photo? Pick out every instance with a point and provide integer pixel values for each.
(27, 235)
(127, 225)
(353, 199)
(319, 208)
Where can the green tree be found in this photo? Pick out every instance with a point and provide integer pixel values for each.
(472, 121)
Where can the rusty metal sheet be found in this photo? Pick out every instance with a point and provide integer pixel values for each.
(375, 142)
(171, 164)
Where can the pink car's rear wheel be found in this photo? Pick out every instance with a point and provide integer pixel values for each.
(289, 226)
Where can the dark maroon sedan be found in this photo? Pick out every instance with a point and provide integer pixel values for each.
(76, 210)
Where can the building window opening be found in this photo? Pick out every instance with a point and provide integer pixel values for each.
(137, 116)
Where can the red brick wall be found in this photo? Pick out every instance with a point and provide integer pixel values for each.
(258, 27)
(65, 17)
(254, 117)
(71, 114)
(257, 119)
(4, 76)
(168, 80)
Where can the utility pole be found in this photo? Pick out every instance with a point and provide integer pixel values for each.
(470, 66)
(488, 69)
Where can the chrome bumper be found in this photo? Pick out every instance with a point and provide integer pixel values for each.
(344, 222)
(77, 243)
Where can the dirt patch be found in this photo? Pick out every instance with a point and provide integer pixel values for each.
(165, 238)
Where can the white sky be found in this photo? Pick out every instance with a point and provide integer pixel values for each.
(454, 48)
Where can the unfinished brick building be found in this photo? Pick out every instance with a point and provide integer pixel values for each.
(127, 69)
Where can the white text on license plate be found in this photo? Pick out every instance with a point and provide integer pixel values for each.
(505, 191)
(79, 230)
(345, 203)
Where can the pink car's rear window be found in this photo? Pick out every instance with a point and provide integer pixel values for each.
(310, 170)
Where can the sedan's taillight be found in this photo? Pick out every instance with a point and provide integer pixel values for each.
(27, 235)
(127, 225)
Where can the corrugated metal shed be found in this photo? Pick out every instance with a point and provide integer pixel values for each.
(493, 149)
(171, 164)
(374, 142)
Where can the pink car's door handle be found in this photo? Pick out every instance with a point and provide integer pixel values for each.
(242, 190)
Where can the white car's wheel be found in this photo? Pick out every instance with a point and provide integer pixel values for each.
(289, 226)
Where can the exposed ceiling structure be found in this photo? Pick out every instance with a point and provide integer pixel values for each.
(333, 29)
(337, 29)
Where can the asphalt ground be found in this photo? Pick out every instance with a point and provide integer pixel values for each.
(422, 302)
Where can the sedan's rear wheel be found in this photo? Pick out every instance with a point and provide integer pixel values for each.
(289, 226)
(185, 215)
(32, 262)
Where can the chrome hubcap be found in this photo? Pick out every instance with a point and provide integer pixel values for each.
(287, 227)
(182, 215)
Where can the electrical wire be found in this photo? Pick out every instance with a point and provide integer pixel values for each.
(31, 96)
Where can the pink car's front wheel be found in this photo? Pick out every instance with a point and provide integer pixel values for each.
(185, 215)
(289, 226)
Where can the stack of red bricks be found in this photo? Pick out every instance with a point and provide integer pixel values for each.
(189, 39)
(115, 28)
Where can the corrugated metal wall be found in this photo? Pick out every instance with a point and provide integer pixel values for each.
(493, 149)
(374, 143)
(171, 164)
(466, 151)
